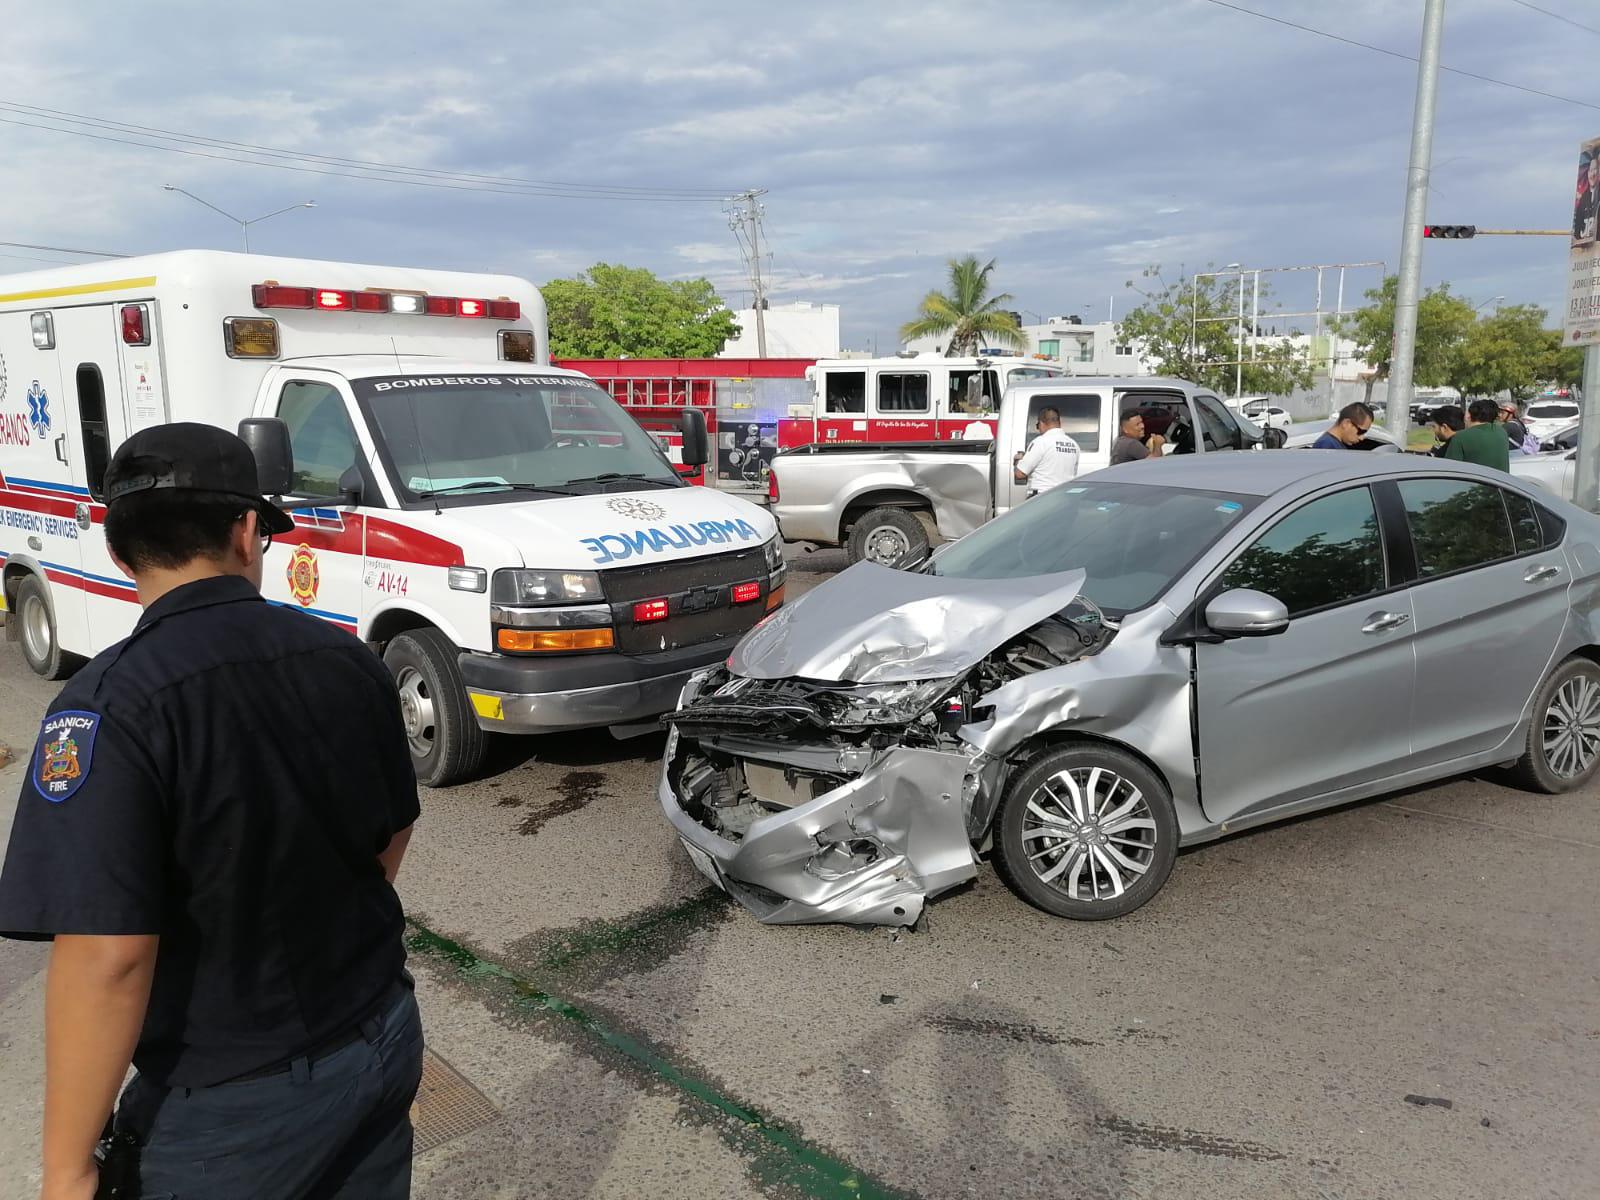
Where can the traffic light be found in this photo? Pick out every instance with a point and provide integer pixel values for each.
(1449, 231)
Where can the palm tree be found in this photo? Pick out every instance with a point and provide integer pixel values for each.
(967, 313)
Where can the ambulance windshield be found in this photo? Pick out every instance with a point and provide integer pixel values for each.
(483, 435)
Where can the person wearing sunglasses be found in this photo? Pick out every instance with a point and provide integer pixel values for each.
(1348, 430)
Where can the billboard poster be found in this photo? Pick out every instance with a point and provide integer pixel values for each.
(1581, 319)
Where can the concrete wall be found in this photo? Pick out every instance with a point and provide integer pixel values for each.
(798, 330)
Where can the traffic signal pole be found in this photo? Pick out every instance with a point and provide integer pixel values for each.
(1410, 283)
(1586, 471)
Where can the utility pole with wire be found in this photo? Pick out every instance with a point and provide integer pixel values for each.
(1410, 284)
(744, 218)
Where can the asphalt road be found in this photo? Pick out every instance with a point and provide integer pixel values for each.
(1256, 1031)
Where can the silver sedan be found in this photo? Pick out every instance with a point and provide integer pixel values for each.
(1148, 658)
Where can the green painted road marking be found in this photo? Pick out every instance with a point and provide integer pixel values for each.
(779, 1157)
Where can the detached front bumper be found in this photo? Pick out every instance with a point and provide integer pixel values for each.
(869, 852)
(533, 695)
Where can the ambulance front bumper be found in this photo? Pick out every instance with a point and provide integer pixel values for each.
(534, 695)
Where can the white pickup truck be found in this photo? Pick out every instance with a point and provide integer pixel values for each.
(890, 502)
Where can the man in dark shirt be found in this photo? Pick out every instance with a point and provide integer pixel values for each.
(1131, 444)
(210, 828)
(1348, 429)
(1482, 441)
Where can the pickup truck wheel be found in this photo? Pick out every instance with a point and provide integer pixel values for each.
(447, 743)
(890, 537)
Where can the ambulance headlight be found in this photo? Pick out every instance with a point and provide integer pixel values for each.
(773, 550)
(523, 585)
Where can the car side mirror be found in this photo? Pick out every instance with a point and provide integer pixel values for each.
(268, 439)
(696, 446)
(1245, 612)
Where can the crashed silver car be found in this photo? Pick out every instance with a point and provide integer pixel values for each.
(1153, 656)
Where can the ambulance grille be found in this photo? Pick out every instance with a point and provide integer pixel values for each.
(715, 574)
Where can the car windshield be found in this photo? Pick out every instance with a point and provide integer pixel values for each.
(1132, 539)
(482, 435)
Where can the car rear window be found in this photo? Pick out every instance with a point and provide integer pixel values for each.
(1456, 525)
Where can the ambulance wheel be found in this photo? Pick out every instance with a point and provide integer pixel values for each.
(890, 537)
(36, 630)
(447, 743)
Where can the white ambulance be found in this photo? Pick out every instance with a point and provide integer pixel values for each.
(521, 553)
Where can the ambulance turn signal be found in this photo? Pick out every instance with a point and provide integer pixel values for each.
(537, 641)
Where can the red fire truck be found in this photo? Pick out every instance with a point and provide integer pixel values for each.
(756, 406)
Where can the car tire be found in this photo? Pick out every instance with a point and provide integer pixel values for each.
(36, 631)
(447, 743)
(891, 537)
(1131, 856)
(1558, 755)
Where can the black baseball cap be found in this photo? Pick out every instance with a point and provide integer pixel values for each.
(186, 456)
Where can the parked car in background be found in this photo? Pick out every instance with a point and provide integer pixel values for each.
(1545, 418)
(1563, 439)
(1045, 690)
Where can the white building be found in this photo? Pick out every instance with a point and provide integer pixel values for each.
(1085, 349)
(797, 330)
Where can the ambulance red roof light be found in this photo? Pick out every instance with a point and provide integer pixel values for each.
(273, 295)
(441, 306)
(472, 308)
(135, 328)
(372, 302)
(334, 300)
(505, 310)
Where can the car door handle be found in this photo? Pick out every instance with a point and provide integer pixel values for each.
(1379, 622)
(1539, 574)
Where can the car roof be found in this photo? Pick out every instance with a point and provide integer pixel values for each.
(1265, 472)
(1125, 382)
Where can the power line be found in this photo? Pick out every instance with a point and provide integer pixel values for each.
(60, 115)
(243, 153)
(64, 250)
(1250, 12)
(1557, 16)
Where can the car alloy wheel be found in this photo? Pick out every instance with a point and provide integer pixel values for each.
(1089, 833)
(1572, 727)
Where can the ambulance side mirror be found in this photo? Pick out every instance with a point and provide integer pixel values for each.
(268, 439)
(696, 449)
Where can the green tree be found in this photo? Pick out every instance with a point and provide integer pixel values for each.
(1443, 320)
(611, 311)
(1511, 352)
(967, 315)
(1190, 329)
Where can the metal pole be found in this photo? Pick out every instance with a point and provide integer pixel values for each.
(1238, 366)
(755, 271)
(1586, 482)
(1403, 353)
(244, 228)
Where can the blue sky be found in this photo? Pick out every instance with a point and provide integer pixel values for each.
(1076, 143)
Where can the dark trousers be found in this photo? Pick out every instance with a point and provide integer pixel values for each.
(336, 1127)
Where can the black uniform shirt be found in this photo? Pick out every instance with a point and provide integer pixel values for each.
(226, 779)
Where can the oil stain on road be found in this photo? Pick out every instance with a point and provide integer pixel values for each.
(575, 791)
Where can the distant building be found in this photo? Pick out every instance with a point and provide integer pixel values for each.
(797, 330)
(1085, 349)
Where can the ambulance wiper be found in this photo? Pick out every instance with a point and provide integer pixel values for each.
(610, 476)
(499, 483)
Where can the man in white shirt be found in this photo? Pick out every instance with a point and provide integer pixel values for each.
(1051, 460)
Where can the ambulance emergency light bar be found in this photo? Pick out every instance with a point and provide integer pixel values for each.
(275, 295)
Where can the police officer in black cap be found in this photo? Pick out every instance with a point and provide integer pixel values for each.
(210, 829)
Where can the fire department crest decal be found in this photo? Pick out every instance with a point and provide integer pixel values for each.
(2, 377)
(639, 510)
(66, 748)
(303, 575)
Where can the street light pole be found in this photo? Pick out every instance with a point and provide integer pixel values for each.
(242, 223)
(1404, 350)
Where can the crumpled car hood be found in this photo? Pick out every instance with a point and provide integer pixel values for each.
(872, 624)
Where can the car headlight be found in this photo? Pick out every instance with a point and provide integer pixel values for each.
(523, 585)
(886, 703)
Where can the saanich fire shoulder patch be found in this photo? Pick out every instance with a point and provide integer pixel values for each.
(65, 753)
